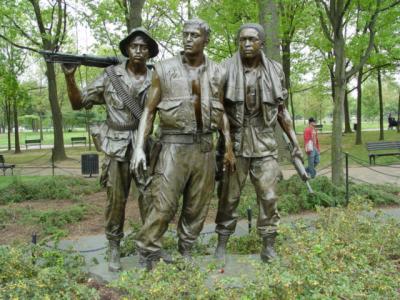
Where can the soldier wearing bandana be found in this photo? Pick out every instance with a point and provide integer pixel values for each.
(254, 97)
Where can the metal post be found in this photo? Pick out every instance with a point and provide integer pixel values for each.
(347, 178)
(34, 238)
(249, 215)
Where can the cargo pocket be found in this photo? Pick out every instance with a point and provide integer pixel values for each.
(270, 113)
(170, 113)
(105, 171)
(217, 111)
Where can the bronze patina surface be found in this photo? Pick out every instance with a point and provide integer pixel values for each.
(186, 94)
(254, 101)
(116, 136)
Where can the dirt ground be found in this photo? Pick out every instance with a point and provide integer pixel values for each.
(92, 224)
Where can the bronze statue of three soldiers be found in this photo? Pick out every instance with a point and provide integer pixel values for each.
(194, 97)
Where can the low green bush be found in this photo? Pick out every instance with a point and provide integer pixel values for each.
(50, 222)
(32, 272)
(46, 187)
(345, 254)
(294, 196)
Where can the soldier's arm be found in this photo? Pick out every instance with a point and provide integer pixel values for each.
(229, 157)
(92, 94)
(146, 121)
(285, 121)
(74, 94)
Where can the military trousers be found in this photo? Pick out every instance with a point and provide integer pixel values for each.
(117, 178)
(182, 170)
(264, 175)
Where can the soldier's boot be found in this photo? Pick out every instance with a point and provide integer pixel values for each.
(220, 251)
(114, 258)
(166, 257)
(268, 251)
(185, 249)
(148, 260)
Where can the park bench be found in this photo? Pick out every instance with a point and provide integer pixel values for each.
(33, 142)
(319, 126)
(390, 148)
(78, 140)
(5, 166)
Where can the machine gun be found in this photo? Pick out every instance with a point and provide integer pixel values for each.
(298, 164)
(84, 60)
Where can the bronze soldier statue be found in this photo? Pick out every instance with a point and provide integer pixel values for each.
(253, 100)
(186, 93)
(123, 90)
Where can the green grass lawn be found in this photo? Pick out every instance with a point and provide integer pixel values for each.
(300, 125)
(48, 137)
(43, 156)
(360, 151)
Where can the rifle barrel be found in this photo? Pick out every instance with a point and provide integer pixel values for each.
(85, 60)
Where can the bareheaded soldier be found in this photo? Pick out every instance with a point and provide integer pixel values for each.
(186, 93)
(122, 89)
(253, 100)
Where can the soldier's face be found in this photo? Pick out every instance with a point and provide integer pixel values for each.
(194, 40)
(138, 50)
(250, 44)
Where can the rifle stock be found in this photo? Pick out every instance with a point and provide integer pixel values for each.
(298, 165)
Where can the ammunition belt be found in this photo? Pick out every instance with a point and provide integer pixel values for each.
(131, 125)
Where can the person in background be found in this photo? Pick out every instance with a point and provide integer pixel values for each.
(311, 146)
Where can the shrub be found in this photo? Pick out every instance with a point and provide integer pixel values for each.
(31, 272)
(346, 254)
(46, 187)
(50, 222)
(294, 196)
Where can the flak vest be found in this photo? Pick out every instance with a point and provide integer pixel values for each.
(176, 109)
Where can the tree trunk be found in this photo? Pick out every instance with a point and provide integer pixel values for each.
(347, 122)
(134, 14)
(292, 109)
(398, 115)
(381, 131)
(41, 126)
(8, 118)
(59, 151)
(286, 67)
(359, 107)
(269, 19)
(332, 77)
(339, 91)
(16, 129)
(88, 129)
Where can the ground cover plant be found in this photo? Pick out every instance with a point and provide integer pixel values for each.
(294, 196)
(344, 254)
(33, 272)
(25, 188)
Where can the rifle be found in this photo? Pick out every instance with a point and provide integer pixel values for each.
(298, 165)
(85, 60)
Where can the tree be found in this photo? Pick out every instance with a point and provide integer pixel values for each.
(40, 26)
(133, 12)
(334, 16)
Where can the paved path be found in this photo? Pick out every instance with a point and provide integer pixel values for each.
(369, 174)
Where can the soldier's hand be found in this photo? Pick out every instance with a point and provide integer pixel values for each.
(69, 69)
(229, 162)
(138, 164)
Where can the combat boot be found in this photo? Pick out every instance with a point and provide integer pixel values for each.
(268, 252)
(220, 251)
(185, 249)
(114, 255)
